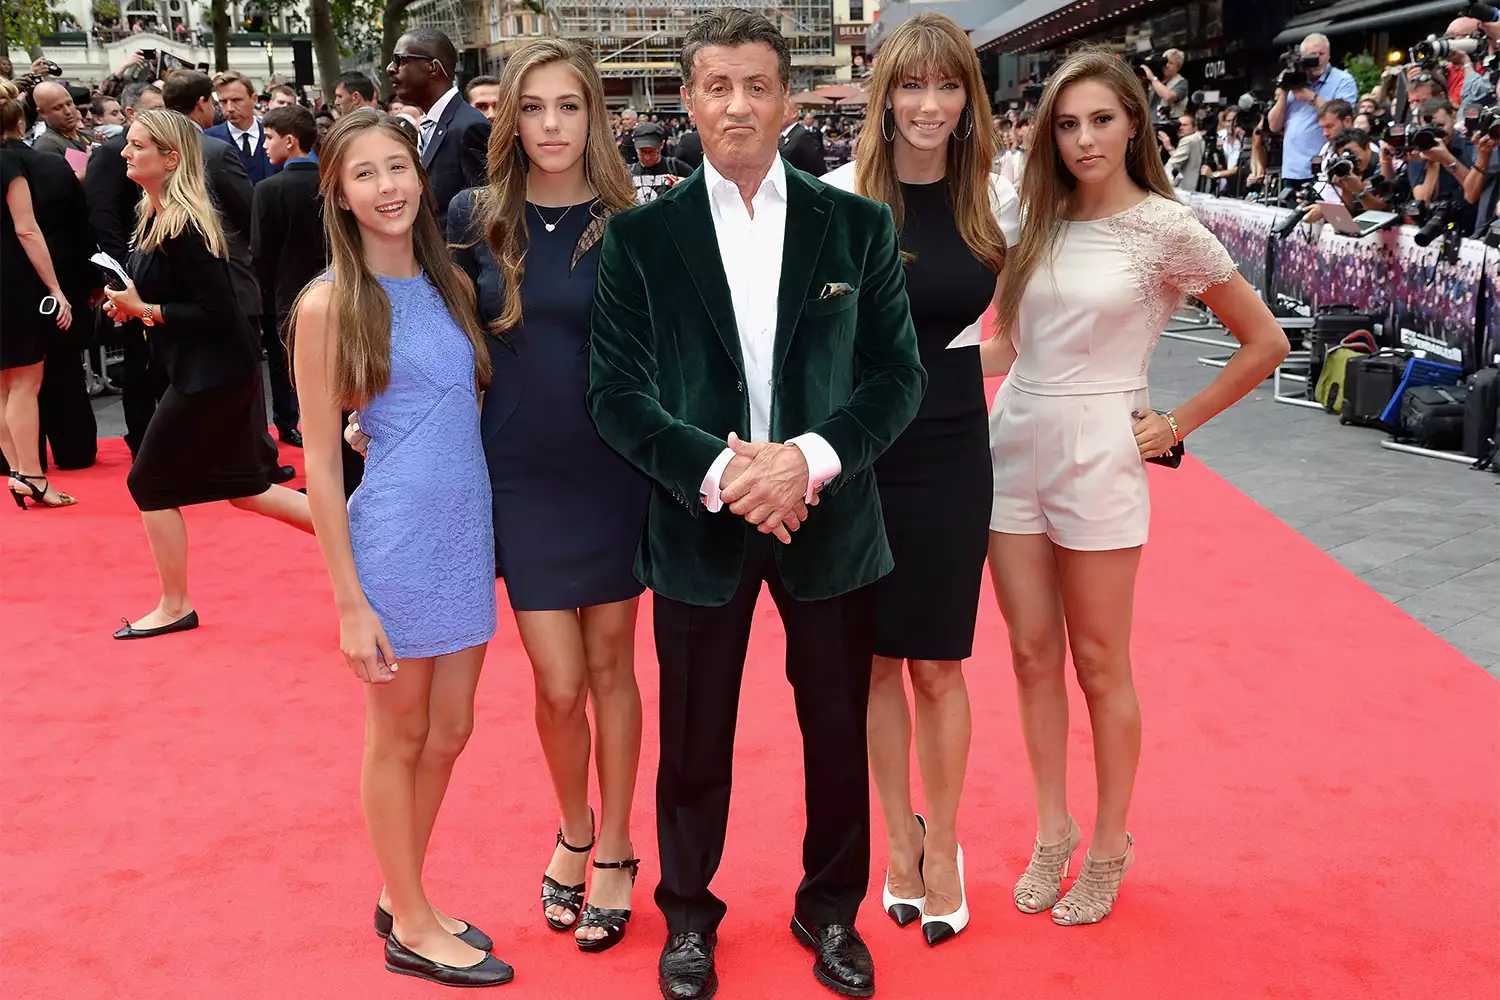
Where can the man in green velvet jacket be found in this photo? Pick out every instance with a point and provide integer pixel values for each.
(752, 350)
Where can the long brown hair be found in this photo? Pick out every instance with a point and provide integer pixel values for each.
(929, 45)
(184, 193)
(1048, 185)
(501, 205)
(362, 367)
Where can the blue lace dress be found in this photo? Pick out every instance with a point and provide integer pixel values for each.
(420, 521)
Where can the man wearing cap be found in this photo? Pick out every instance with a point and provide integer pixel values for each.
(653, 173)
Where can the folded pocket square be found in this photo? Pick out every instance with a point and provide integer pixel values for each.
(834, 289)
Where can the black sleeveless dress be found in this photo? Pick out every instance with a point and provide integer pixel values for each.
(936, 484)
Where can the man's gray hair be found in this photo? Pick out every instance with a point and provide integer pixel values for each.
(130, 97)
(1316, 37)
(734, 26)
(1175, 54)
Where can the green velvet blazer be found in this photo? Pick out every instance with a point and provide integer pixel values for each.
(667, 381)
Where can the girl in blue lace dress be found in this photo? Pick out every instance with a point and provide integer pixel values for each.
(391, 330)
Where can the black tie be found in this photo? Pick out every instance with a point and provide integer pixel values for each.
(245, 144)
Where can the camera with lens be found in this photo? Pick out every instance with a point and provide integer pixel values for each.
(1437, 220)
(1425, 138)
(1166, 124)
(1482, 121)
(1482, 12)
(1427, 53)
(1345, 164)
(1295, 68)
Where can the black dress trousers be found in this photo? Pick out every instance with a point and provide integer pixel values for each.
(701, 651)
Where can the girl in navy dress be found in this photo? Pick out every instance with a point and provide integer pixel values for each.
(568, 510)
(390, 329)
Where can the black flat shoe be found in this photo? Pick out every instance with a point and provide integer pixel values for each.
(402, 960)
(613, 921)
(281, 474)
(186, 623)
(292, 437)
(470, 935)
(841, 961)
(685, 970)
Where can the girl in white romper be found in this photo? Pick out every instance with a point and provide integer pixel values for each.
(1106, 254)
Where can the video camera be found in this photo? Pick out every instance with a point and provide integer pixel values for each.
(1295, 65)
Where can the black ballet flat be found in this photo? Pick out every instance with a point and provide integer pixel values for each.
(470, 935)
(403, 961)
(186, 623)
(613, 921)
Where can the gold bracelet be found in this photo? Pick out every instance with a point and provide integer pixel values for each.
(1172, 423)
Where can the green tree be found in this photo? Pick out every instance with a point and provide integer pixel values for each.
(23, 22)
(219, 14)
(1362, 67)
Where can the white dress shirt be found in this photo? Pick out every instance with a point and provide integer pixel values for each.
(750, 248)
(427, 127)
(235, 133)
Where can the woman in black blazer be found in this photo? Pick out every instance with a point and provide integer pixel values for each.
(202, 442)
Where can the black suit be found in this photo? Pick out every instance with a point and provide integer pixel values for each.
(286, 235)
(456, 156)
(690, 149)
(804, 150)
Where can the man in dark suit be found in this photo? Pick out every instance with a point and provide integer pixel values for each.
(240, 129)
(803, 148)
(112, 199)
(754, 372)
(190, 93)
(454, 138)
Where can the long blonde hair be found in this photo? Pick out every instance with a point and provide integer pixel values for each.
(1047, 186)
(501, 204)
(184, 194)
(362, 368)
(927, 45)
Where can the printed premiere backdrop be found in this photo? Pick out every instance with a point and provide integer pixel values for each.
(1385, 274)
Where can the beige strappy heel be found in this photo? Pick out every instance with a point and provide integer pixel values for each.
(1041, 882)
(1093, 894)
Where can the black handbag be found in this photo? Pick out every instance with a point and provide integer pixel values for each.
(1173, 458)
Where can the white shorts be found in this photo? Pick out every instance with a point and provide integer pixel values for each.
(1068, 467)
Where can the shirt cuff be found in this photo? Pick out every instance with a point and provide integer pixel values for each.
(822, 461)
(710, 487)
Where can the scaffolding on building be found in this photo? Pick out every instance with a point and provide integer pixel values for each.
(451, 17)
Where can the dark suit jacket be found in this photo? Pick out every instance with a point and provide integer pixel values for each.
(257, 166)
(668, 381)
(804, 150)
(232, 192)
(112, 198)
(205, 338)
(456, 155)
(690, 149)
(286, 235)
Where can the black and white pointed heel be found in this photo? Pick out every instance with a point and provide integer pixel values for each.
(940, 928)
(904, 911)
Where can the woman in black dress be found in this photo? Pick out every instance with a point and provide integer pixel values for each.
(929, 160)
(202, 442)
(33, 305)
(569, 511)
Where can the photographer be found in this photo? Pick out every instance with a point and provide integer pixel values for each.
(1295, 113)
(1171, 90)
(1185, 165)
(1437, 173)
(1227, 178)
(1352, 174)
(1477, 90)
(1483, 182)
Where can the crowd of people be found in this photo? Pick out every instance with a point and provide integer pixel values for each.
(513, 358)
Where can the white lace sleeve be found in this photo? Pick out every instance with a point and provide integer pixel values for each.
(1194, 259)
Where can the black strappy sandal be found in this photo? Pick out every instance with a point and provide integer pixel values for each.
(613, 921)
(37, 495)
(569, 897)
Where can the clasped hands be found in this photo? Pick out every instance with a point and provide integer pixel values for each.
(766, 484)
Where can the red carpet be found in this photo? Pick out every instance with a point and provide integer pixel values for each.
(1316, 814)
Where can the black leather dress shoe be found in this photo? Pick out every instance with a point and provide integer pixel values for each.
(841, 961)
(281, 474)
(470, 935)
(686, 969)
(401, 959)
(292, 437)
(186, 623)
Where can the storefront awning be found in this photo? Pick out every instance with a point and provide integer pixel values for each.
(1362, 15)
(1017, 17)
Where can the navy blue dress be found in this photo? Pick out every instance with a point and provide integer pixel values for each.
(569, 510)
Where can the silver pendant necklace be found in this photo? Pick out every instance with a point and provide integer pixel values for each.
(552, 225)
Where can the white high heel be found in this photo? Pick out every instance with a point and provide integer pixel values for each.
(904, 911)
(939, 929)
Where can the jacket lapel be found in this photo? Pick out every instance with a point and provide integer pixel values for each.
(807, 216)
(439, 130)
(691, 226)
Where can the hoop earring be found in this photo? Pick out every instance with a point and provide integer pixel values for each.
(966, 116)
(888, 134)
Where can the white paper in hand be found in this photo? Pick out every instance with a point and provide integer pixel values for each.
(110, 266)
